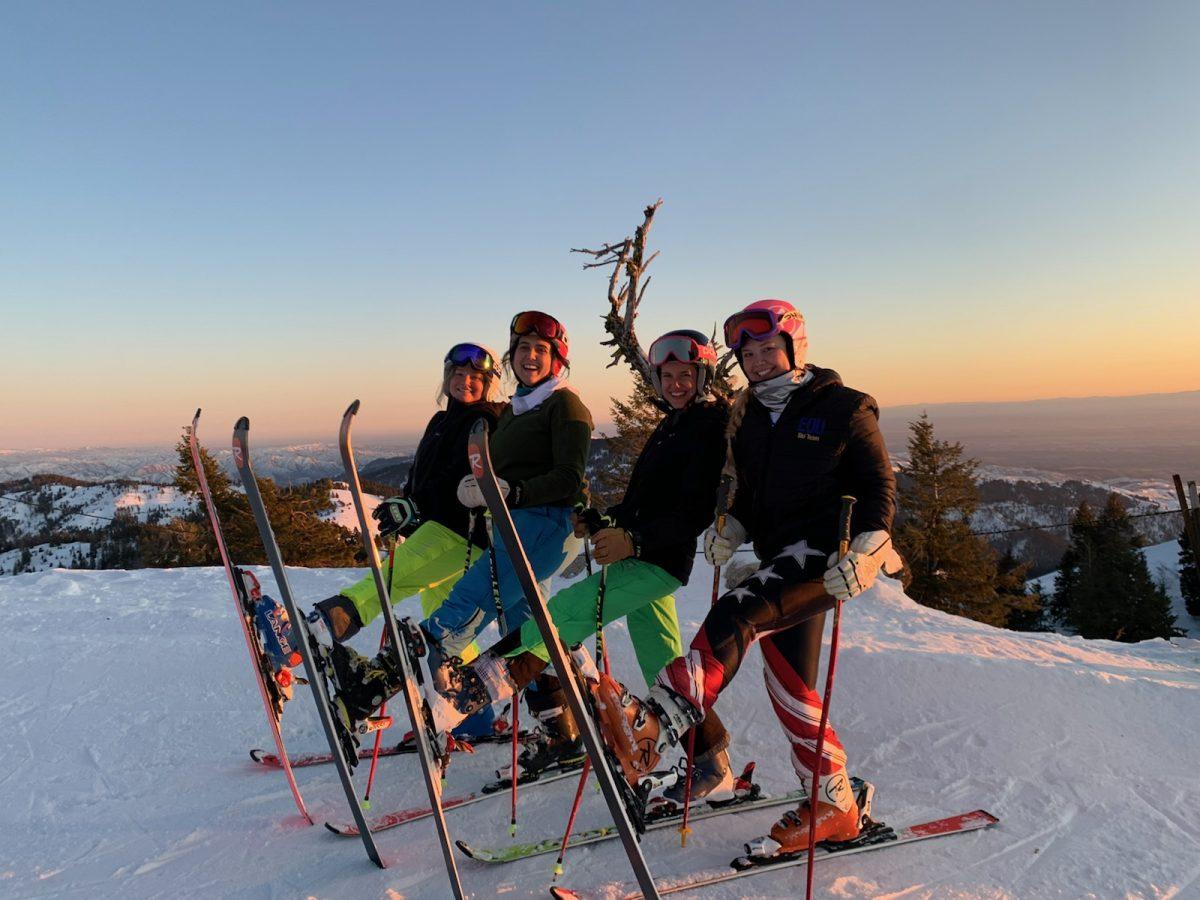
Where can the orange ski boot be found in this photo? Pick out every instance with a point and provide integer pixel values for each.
(639, 731)
(838, 819)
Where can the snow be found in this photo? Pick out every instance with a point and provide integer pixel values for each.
(90, 506)
(129, 706)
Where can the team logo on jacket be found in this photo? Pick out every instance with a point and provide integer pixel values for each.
(810, 428)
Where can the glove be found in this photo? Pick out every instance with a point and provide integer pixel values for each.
(469, 494)
(720, 545)
(612, 545)
(587, 520)
(869, 552)
(395, 514)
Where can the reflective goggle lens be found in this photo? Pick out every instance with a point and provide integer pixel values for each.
(756, 324)
(471, 355)
(534, 322)
(680, 347)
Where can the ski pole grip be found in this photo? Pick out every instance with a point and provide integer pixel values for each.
(844, 525)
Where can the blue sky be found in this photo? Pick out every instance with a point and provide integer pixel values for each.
(274, 208)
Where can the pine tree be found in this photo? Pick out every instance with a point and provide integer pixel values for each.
(952, 569)
(1104, 588)
(303, 537)
(1024, 606)
(635, 419)
(1189, 575)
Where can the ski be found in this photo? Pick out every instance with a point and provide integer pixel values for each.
(418, 713)
(876, 836)
(301, 760)
(607, 832)
(308, 645)
(615, 795)
(272, 692)
(404, 816)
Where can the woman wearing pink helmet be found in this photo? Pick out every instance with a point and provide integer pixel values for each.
(798, 441)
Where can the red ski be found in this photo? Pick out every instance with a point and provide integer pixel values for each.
(270, 691)
(874, 837)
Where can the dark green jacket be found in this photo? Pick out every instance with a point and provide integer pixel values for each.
(542, 453)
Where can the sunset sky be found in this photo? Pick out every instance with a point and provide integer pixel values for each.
(271, 209)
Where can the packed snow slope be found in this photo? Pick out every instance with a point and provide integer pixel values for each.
(128, 709)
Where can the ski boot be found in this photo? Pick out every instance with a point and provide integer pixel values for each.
(466, 691)
(639, 732)
(713, 782)
(361, 685)
(277, 638)
(843, 810)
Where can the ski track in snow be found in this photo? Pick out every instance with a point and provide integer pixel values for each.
(129, 707)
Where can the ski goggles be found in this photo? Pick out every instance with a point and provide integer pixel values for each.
(758, 325)
(471, 355)
(542, 324)
(682, 348)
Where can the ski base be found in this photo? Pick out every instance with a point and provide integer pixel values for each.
(971, 821)
(607, 832)
(404, 816)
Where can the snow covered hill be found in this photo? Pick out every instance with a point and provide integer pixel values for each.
(129, 706)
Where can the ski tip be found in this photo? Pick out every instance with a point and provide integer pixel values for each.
(352, 409)
(480, 427)
(243, 424)
(562, 893)
(196, 417)
(465, 848)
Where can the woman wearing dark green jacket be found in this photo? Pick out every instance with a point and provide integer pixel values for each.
(539, 449)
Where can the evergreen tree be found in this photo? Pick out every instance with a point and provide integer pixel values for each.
(952, 569)
(1189, 575)
(1024, 606)
(303, 537)
(635, 419)
(1104, 588)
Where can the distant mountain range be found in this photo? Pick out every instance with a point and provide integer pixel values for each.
(1145, 436)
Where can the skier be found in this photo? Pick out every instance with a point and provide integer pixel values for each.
(799, 441)
(439, 534)
(539, 447)
(647, 544)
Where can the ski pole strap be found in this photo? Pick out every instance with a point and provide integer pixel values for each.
(470, 534)
(844, 526)
(500, 618)
(724, 486)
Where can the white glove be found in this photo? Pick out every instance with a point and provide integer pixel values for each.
(469, 494)
(869, 552)
(719, 546)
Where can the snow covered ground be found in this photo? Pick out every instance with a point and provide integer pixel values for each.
(129, 705)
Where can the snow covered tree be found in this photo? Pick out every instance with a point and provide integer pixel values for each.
(1104, 588)
(952, 569)
(304, 538)
(1189, 575)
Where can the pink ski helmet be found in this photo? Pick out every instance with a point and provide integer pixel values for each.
(763, 319)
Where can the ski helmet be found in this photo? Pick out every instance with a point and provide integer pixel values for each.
(479, 357)
(684, 346)
(544, 326)
(763, 319)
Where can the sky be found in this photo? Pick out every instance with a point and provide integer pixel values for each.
(271, 209)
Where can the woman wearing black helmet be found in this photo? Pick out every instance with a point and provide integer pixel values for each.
(799, 441)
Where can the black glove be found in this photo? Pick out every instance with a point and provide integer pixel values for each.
(592, 519)
(396, 515)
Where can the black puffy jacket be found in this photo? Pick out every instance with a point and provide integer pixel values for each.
(441, 463)
(793, 473)
(673, 487)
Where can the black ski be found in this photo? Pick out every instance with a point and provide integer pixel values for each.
(481, 467)
(316, 675)
(417, 712)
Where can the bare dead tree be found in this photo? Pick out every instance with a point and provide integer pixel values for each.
(628, 258)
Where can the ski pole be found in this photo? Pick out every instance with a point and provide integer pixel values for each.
(366, 800)
(843, 549)
(562, 850)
